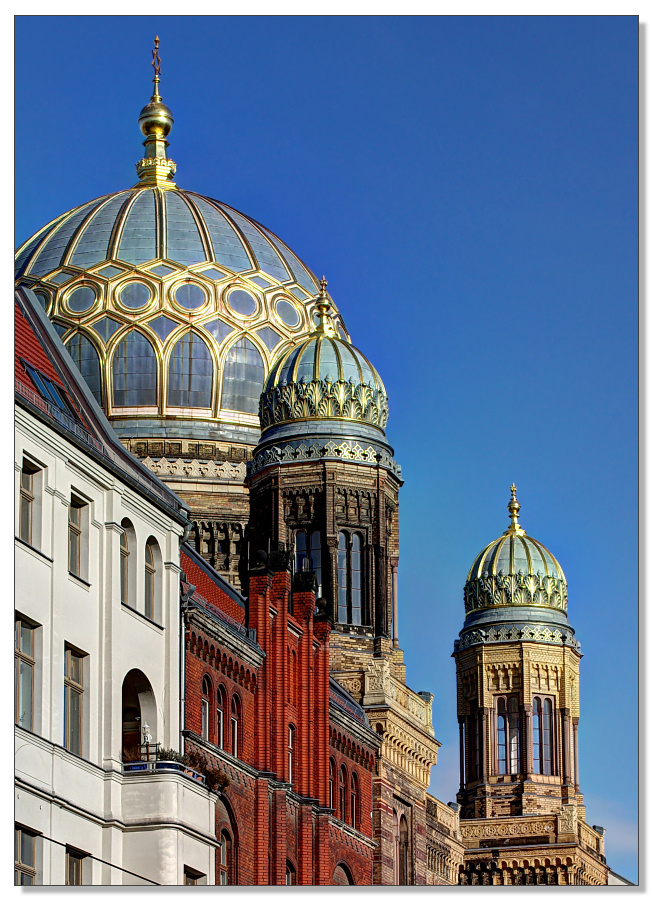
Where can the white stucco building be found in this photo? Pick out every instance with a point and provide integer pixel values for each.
(97, 642)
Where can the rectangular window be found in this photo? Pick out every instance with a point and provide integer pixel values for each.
(24, 856)
(24, 674)
(73, 866)
(26, 525)
(75, 536)
(73, 701)
(234, 736)
(219, 736)
(291, 734)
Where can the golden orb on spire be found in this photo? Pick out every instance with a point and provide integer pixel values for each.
(322, 307)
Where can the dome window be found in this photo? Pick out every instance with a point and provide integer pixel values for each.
(243, 378)
(190, 373)
(213, 274)
(242, 302)
(162, 270)
(88, 362)
(106, 327)
(189, 296)
(135, 295)
(61, 278)
(81, 299)
(287, 312)
(110, 271)
(43, 299)
(162, 326)
(134, 372)
(219, 329)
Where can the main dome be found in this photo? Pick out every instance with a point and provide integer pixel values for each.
(175, 306)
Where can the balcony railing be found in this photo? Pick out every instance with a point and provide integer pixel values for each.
(148, 760)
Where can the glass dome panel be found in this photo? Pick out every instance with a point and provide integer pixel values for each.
(106, 326)
(269, 337)
(190, 373)
(43, 298)
(61, 277)
(93, 245)
(87, 360)
(183, 241)
(163, 326)
(243, 377)
(134, 372)
(228, 248)
(81, 299)
(109, 271)
(219, 329)
(52, 251)
(138, 241)
(26, 253)
(162, 270)
(190, 296)
(328, 361)
(134, 295)
(349, 363)
(306, 366)
(242, 302)
(267, 257)
(287, 313)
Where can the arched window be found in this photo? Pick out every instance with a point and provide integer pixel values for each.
(332, 783)
(235, 725)
(342, 789)
(508, 736)
(220, 699)
(543, 739)
(308, 546)
(403, 851)
(134, 372)
(350, 587)
(291, 875)
(150, 578)
(225, 857)
(242, 381)
(291, 741)
(127, 579)
(206, 693)
(190, 373)
(354, 811)
(87, 360)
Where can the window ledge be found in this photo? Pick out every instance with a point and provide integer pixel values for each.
(33, 548)
(79, 579)
(141, 615)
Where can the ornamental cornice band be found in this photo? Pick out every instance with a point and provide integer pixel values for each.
(522, 589)
(471, 832)
(539, 633)
(330, 450)
(196, 468)
(324, 399)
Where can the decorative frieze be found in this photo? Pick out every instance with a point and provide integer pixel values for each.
(349, 450)
(521, 588)
(196, 468)
(325, 399)
(479, 831)
(538, 633)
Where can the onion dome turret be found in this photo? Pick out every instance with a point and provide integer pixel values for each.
(515, 590)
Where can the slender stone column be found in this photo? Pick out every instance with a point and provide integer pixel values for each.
(528, 738)
(484, 743)
(395, 620)
(566, 746)
(576, 779)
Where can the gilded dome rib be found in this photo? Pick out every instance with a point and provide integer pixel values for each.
(201, 225)
(89, 248)
(116, 231)
(54, 248)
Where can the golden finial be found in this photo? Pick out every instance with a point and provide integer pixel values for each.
(156, 65)
(155, 122)
(513, 510)
(323, 305)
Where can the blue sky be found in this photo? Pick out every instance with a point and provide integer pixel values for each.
(468, 185)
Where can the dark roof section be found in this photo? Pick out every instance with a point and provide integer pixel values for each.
(40, 347)
(339, 696)
(211, 584)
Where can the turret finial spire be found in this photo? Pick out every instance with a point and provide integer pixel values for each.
(513, 510)
(155, 122)
(323, 306)
(156, 65)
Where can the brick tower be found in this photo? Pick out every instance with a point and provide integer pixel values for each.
(517, 663)
(324, 485)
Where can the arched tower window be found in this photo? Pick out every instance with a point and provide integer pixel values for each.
(87, 360)
(220, 700)
(190, 373)
(134, 372)
(127, 571)
(543, 736)
(151, 554)
(507, 735)
(350, 588)
(308, 546)
(332, 783)
(225, 857)
(243, 377)
(342, 791)
(291, 875)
